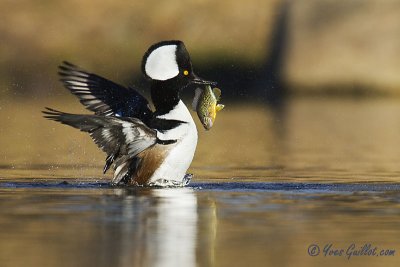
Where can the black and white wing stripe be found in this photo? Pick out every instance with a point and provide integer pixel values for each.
(118, 137)
(103, 96)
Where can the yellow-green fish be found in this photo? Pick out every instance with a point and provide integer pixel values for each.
(205, 104)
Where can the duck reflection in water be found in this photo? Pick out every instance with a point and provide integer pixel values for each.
(160, 227)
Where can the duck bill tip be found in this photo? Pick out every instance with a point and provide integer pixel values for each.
(198, 80)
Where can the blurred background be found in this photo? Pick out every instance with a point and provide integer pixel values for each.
(308, 84)
(309, 46)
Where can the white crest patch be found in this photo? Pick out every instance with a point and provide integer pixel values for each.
(161, 63)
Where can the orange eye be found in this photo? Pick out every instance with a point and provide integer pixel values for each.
(185, 72)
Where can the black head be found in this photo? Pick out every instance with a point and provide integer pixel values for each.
(170, 61)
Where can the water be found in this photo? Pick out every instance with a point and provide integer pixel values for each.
(269, 183)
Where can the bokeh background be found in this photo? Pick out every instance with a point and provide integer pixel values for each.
(316, 45)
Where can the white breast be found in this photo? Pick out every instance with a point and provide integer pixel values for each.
(181, 154)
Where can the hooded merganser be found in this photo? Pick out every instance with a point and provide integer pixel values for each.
(144, 147)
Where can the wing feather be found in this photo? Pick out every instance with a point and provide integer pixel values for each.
(103, 96)
(115, 136)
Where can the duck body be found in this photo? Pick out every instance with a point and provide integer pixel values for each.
(179, 155)
(144, 147)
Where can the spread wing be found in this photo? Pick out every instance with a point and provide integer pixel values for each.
(103, 96)
(118, 137)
